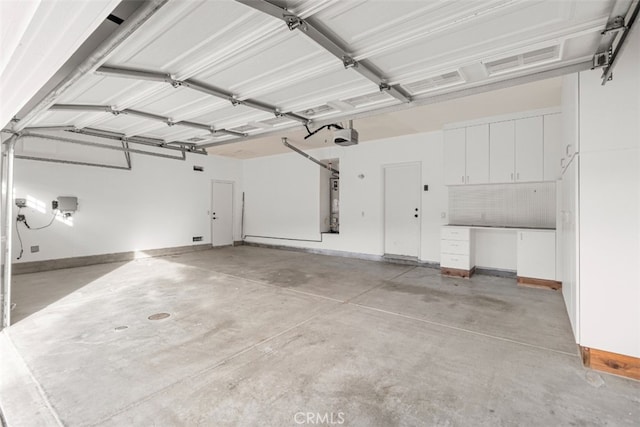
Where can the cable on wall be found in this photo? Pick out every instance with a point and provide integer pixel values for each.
(21, 218)
(18, 234)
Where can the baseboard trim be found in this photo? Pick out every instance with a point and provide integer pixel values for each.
(539, 283)
(58, 264)
(456, 272)
(509, 274)
(345, 254)
(613, 363)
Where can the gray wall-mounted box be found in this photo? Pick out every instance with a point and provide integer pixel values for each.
(67, 204)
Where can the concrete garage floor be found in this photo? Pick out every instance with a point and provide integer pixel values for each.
(267, 337)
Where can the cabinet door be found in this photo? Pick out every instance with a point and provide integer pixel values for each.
(569, 244)
(552, 147)
(529, 149)
(454, 156)
(501, 151)
(537, 254)
(478, 154)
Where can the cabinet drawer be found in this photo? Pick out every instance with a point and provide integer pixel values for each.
(455, 261)
(455, 247)
(455, 233)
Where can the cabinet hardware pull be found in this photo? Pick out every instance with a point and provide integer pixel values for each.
(562, 163)
(463, 178)
(511, 176)
(518, 175)
(567, 149)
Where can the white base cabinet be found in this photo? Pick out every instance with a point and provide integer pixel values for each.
(455, 248)
(536, 251)
(537, 254)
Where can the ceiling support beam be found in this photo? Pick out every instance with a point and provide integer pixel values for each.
(99, 145)
(328, 42)
(73, 162)
(197, 86)
(307, 156)
(167, 120)
(429, 99)
(122, 33)
(151, 142)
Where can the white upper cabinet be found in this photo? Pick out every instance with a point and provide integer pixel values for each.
(517, 148)
(454, 156)
(529, 150)
(501, 151)
(477, 154)
(552, 146)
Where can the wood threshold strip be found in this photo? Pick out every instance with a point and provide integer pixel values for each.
(456, 272)
(613, 363)
(539, 283)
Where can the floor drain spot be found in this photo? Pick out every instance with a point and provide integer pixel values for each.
(158, 316)
(121, 328)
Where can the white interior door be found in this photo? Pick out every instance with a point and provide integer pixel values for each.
(402, 210)
(221, 213)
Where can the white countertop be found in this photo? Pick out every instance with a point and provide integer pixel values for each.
(488, 227)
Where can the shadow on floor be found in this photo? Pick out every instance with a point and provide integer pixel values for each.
(32, 292)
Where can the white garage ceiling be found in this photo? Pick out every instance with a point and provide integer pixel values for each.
(220, 72)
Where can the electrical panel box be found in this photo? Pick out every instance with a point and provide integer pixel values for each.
(67, 204)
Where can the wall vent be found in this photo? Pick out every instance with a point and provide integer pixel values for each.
(197, 238)
(320, 110)
(198, 168)
(368, 99)
(436, 82)
(244, 128)
(523, 60)
(276, 121)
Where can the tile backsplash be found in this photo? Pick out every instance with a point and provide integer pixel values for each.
(504, 205)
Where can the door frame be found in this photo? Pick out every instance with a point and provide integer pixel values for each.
(233, 211)
(383, 176)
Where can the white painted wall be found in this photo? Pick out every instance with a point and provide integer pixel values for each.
(291, 210)
(160, 203)
(610, 206)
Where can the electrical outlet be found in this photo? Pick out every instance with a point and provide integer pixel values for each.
(54, 204)
(35, 249)
(20, 218)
